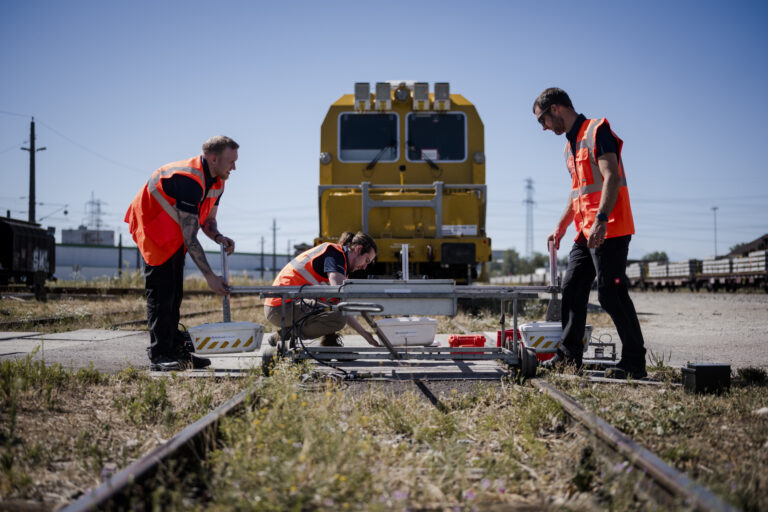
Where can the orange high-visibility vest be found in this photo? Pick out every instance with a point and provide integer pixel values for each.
(300, 271)
(587, 184)
(152, 217)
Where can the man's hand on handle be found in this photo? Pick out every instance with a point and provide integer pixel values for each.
(555, 238)
(227, 243)
(217, 284)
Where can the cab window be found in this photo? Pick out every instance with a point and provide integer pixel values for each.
(436, 136)
(364, 137)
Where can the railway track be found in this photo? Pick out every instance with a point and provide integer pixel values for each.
(48, 320)
(184, 452)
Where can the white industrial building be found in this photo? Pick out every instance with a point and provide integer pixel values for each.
(87, 262)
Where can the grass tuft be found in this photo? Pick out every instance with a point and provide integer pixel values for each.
(753, 376)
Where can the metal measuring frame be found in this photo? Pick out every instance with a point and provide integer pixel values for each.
(225, 306)
(420, 297)
(428, 297)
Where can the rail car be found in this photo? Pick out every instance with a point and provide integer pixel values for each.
(28, 254)
(407, 166)
(730, 274)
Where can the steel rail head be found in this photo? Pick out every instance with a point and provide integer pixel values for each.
(675, 482)
(101, 496)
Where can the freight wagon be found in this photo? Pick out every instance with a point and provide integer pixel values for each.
(750, 271)
(28, 254)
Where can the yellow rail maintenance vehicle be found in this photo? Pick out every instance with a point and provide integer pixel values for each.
(407, 166)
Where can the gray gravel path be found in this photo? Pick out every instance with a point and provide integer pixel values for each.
(683, 327)
(729, 328)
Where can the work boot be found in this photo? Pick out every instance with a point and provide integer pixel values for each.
(561, 361)
(622, 372)
(167, 364)
(279, 335)
(184, 349)
(192, 360)
(636, 371)
(331, 340)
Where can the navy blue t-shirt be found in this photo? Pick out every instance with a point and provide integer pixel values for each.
(605, 142)
(187, 192)
(332, 262)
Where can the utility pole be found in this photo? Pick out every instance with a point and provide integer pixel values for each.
(262, 258)
(32, 152)
(529, 217)
(288, 249)
(714, 209)
(274, 247)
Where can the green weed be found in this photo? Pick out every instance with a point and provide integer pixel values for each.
(149, 404)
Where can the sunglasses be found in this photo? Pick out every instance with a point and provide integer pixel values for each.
(540, 118)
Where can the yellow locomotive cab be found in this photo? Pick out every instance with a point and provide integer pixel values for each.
(407, 166)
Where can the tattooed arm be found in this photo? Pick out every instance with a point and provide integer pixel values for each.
(189, 227)
(210, 228)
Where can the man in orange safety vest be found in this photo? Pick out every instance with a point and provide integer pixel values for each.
(599, 207)
(164, 218)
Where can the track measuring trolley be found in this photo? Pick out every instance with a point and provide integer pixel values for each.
(405, 297)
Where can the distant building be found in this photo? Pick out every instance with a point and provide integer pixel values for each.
(78, 262)
(84, 236)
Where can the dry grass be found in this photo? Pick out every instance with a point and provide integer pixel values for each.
(64, 431)
(719, 440)
(376, 447)
(306, 444)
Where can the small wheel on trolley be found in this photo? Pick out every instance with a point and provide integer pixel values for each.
(528, 361)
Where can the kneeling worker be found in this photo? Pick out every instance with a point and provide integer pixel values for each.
(327, 263)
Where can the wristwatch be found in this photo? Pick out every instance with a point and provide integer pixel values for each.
(602, 217)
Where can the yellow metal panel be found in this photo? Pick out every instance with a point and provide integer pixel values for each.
(341, 210)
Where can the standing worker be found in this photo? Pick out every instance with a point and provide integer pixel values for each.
(164, 219)
(599, 207)
(327, 263)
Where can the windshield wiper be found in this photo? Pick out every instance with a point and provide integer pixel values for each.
(429, 161)
(378, 156)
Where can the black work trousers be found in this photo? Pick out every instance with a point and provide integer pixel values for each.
(608, 263)
(164, 291)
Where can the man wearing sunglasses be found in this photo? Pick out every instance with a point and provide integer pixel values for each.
(598, 205)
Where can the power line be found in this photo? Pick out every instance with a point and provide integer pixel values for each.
(88, 150)
(11, 147)
(13, 113)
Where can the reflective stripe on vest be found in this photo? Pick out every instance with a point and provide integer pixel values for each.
(587, 184)
(299, 271)
(299, 263)
(160, 198)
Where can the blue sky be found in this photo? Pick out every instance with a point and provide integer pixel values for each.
(121, 88)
